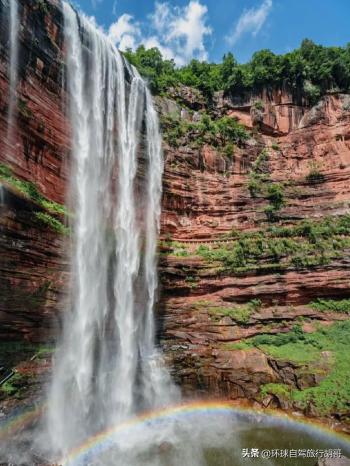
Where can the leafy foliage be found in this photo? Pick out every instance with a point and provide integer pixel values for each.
(332, 395)
(30, 190)
(159, 73)
(239, 313)
(315, 176)
(222, 133)
(311, 70)
(307, 244)
(11, 386)
(332, 305)
(52, 222)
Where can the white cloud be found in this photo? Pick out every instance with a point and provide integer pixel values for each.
(189, 28)
(251, 21)
(125, 32)
(178, 32)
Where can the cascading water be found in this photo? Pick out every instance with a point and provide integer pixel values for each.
(13, 70)
(107, 366)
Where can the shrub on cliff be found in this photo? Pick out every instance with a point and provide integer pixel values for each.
(222, 133)
(30, 190)
(315, 176)
(331, 305)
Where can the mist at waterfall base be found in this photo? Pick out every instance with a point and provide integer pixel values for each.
(107, 367)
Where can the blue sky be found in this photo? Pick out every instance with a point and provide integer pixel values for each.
(206, 29)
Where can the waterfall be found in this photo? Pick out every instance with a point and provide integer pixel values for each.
(107, 366)
(13, 69)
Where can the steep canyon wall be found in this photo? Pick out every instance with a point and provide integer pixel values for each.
(209, 200)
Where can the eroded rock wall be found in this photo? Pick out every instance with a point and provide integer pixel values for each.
(207, 195)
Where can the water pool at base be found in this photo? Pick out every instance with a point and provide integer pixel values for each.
(208, 439)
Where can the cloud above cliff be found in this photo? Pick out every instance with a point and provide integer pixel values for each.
(250, 22)
(179, 32)
(125, 32)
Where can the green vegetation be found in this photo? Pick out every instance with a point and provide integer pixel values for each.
(259, 174)
(162, 74)
(222, 133)
(275, 146)
(42, 6)
(238, 345)
(176, 248)
(53, 207)
(12, 385)
(52, 222)
(259, 105)
(332, 395)
(279, 389)
(191, 281)
(260, 185)
(307, 244)
(45, 351)
(275, 196)
(23, 109)
(331, 305)
(315, 176)
(312, 70)
(30, 190)
(239, 313)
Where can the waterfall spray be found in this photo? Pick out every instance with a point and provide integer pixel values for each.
(107, 366)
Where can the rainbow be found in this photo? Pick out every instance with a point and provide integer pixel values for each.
(16, 422)
(104, 440)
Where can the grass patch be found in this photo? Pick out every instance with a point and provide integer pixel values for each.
(315, 175)
(30, 190)
(239, 313)
(332, 395)
(295, 352)
(54, 207)
(333, 305)
(12, 385)
(305, 245)
(239, 345)
(44, 351)
(279, 389)
(176, 249)
(52, 222)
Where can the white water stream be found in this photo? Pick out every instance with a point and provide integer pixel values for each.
(13, 70)
(107, 366)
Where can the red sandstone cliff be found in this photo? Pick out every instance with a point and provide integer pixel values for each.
(206, 195)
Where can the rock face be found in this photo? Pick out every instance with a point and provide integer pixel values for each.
(39, 147)
(33, 272)
(33, 266)
(206, 195)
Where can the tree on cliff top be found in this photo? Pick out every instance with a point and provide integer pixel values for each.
(312, 70)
